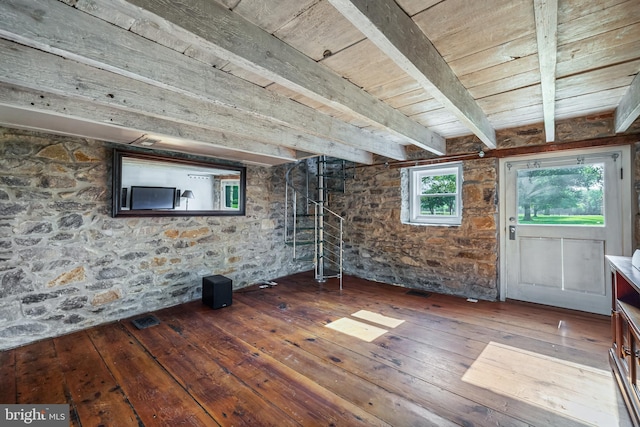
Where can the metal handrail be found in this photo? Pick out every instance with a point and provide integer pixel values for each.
(325, 243)
(319, 212)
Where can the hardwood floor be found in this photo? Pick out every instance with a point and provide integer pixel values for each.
(269, 359)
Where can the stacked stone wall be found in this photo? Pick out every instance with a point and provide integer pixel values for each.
(66, 264)
(458, 260)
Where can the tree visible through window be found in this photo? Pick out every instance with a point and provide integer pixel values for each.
(438, 194)
(561, 195)
(435, 194)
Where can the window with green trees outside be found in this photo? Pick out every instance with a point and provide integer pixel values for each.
(436, 194)
(571, 195)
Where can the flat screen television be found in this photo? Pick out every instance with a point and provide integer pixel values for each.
(153, 197)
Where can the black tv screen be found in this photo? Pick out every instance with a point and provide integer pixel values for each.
(153, 197)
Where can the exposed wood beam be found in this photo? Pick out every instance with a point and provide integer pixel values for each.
(629, 108)
(73, 34)
(395, 33)
(38, 122)
(229, 36)
(546, 12)
(69, 78)
(230, 146)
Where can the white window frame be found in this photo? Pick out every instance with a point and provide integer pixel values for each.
(224, 183)
(415, 175)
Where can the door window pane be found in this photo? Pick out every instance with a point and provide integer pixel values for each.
(572, 195)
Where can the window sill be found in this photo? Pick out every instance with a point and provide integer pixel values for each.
(432, 224)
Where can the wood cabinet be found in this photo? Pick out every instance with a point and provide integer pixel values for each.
(624, 354)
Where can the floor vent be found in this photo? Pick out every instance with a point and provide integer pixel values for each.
(145, 322)
(418, 293)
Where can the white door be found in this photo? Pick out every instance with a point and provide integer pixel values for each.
(562, 215)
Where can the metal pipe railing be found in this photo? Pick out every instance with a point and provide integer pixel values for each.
(322, 216)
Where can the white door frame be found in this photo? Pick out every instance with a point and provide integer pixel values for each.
(626, 192)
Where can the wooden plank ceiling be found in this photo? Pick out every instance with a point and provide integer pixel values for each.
(273, 81)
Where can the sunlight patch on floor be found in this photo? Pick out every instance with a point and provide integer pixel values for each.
(364, 331)
(356, 329)
(569, 389)
(370, 316)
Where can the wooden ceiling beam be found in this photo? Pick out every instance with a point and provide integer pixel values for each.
(53, 26)
(546, 13)
(629, 108)
(79, 81)
(231, 146)
(212, 27)
(395, 33)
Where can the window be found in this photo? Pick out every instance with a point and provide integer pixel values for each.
(435, 194)
(569, 195)
(230, 194)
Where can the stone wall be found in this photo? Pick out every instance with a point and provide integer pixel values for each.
(67, 264)
(460, 260)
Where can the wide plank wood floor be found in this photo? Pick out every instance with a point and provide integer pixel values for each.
(270, 360)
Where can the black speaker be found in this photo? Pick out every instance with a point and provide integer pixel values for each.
(216, 291)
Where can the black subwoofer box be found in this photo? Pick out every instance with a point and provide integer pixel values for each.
(216, 291)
